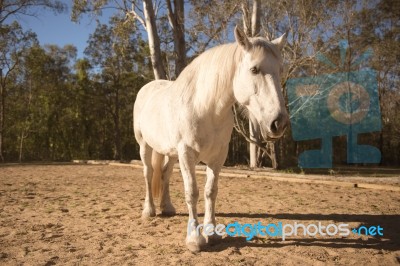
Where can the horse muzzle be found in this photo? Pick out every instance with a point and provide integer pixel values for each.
(276, 128)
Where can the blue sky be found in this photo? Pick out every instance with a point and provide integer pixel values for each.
(59, 29)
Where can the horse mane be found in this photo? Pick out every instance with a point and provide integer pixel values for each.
(207, 78)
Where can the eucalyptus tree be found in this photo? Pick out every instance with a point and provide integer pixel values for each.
(13, 9)
(12, 40)
(40, 104)
(143, 14)
(115, 54)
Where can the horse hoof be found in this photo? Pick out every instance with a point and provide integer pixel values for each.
(193, 247)
(195, 243)
(169, 211)
(148, 213)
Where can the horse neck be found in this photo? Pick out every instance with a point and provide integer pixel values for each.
(213, 79)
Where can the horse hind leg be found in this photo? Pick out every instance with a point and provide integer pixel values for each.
(149, 209)
(167, 209)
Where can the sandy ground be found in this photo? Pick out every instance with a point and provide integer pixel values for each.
(90, 215)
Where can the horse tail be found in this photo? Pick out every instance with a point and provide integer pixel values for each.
(157, 162)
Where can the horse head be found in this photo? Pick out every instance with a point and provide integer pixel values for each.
(256, 84)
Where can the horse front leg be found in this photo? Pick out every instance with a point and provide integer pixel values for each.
(211, 191)
(187, 161)
(210, 196)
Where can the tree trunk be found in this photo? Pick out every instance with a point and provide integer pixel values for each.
(21, 145)
(251, 28)
(246, 20)
(255, 18)
(1, 127)
(271, 146)
(117, 129)
(154, 40)
(2, 102)
(176, 19)
(253, 148)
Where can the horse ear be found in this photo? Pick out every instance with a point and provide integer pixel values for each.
(242, 39)
(280, 42)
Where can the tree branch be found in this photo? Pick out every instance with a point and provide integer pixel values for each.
(136, 16)
(241, 132)
(171, 15)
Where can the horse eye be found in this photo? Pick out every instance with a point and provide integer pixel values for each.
(254, 70)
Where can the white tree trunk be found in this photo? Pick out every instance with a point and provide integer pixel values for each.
(255, 18)
(253, 147)
(252, 27)
(154, 40)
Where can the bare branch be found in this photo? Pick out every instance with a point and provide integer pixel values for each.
(171, 15)
(241, 132)
(136, 16)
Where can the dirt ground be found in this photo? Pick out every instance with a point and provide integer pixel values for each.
(90, 215)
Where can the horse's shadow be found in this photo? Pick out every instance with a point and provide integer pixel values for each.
(389, 241)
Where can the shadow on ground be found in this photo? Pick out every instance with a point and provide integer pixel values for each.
(389, 241)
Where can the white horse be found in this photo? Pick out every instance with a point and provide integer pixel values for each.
(191, 119)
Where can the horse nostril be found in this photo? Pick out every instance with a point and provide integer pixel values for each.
(279, 125)
(275, 126)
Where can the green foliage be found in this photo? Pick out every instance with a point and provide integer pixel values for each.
(15, 8)
(60, 108)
